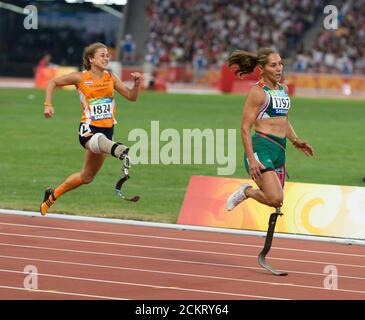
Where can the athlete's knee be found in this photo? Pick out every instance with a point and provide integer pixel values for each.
(99, 143)
(93, 143)
(275, 200)
(87, 178)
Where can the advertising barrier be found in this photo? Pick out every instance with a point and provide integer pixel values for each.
(327, 81)
(309, 209)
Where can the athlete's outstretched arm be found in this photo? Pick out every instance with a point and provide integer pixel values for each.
(255, 99)
(292, 136)
(297, 143)
(290, 133)
(68, 79)
(130, 94)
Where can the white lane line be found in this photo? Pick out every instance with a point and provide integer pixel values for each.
(175, 226)
(181, 239)
(176, 249)
(258, 282)
(62, 293)
(167, 260)
(146, 285)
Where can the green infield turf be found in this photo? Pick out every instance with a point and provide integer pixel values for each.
(36, 152)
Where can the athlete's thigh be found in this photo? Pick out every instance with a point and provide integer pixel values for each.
(270, 184)
(263, 157)
(92, 163)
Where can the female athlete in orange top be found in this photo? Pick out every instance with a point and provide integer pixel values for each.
(96, 87)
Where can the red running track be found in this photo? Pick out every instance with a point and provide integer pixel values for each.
(94, 260)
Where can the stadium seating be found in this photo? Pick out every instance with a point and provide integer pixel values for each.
(179, 29)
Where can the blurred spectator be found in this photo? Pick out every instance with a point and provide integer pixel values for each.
(152, 58)
(45, 61)
(128, 50)
(43, 71)
(302, 62)
(344, 64)
(199, 63)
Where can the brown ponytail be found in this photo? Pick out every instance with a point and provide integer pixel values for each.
(247, 61)
(89, 53)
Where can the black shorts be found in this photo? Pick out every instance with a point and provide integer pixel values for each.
(86, 132)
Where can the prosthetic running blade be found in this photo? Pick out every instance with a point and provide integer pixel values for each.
(119, 192)
(268, 242)
(263, 263)
(119, 184)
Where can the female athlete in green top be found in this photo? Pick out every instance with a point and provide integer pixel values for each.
(266, 109)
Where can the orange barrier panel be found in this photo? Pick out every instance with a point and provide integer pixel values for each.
(311, 209)
(43, 75)
(326, 81)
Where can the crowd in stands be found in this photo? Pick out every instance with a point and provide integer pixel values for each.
(179, 31)
(205, 32)
(341, 50)
(202, 34)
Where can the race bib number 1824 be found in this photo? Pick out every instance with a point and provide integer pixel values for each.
(101, 108)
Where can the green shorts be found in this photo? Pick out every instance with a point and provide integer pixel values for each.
(269, 150)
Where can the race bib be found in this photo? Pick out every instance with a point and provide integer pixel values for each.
(280, 104)
(101, 108)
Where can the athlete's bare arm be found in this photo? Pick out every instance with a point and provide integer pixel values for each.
(290, 133)
(130, 94)
(69, 79)
(292, 136)
(255, 98)
(298, 143)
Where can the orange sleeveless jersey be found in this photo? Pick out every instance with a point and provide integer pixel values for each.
(97, 100)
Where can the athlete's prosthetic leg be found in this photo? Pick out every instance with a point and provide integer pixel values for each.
(267, 246)
(99, 143)
(125, 169)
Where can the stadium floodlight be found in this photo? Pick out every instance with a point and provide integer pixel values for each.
(109, 10)
(101, 2)
(11, 7)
